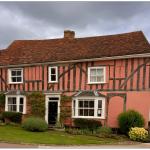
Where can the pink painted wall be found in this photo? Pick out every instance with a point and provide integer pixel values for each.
(36, 78)
(114, 109)
(140, 101)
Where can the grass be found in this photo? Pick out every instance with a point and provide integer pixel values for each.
(14, 134)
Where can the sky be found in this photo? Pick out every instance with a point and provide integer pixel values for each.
(47, 20)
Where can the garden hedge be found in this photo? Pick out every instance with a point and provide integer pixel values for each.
(12, 116)
(87, 124)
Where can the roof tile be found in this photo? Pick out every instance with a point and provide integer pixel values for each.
(53, 50)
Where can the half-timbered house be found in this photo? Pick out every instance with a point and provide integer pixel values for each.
(105, 75)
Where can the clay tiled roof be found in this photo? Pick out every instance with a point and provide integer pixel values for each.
(88, 93)
(65, 49)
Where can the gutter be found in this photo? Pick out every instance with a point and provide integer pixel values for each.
(81, 60)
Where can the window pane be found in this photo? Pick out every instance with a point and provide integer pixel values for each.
(74, 104)
(21, 100)
(100, 79)
(13, 79)
(99, 104)
(86, 112)
(93, 72)
(53, 98)
(91, 112)
(18, 79)
(85, 103)
(21, 108)
(11, 100)
(80, 112)
(91, 104)
(12, 108)
(99, 112)
(19, 73)
(99, 72)
(53, 77)
(53, 71)
(13, 73)
(93, 78)
(81, 104)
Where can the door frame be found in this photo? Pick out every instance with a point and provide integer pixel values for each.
(46, 105)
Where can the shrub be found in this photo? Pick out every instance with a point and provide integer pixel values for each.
(1, 117)
(147, 139)
(104, 130)
(138, 134)
(2, 102)
(35, 124)
(37, 102)
(2, 99)
(12, 116)
(76, 131)
(129, 119)
(87, 124)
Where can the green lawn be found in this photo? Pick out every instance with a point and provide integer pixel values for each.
(18, 135)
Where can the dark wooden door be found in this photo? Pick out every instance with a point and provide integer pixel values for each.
(52, 112)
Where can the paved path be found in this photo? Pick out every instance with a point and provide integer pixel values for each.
(8, 145)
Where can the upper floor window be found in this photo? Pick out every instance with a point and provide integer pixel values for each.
(96, 75)
(53, 74)
(15, 75)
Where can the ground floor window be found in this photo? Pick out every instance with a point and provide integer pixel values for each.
(88, 107)
(15, 103)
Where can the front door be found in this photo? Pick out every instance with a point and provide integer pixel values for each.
(52, 112)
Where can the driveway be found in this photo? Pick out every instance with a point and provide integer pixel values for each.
(8, 145)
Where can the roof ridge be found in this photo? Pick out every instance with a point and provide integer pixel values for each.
(96, 36)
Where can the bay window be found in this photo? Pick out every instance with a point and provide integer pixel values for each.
(87, 107)
(15, 103)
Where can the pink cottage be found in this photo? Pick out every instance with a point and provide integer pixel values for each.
(105, 75)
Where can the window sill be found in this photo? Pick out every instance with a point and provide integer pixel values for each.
(96, 82)
(24, 113)
(15, 83)
(53, 82)
(89, 117)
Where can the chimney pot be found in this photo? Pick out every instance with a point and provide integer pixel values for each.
(68, 34)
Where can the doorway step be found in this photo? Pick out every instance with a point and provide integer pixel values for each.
(53, 127)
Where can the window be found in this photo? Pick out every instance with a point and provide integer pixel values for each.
(88, 107)
(15, 76)
(12, 104)
(15, 104)
(53, 74)
(21, 103)
(96, 75)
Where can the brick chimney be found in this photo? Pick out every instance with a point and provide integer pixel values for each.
(68, 34)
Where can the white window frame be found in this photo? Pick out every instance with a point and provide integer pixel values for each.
(89, 73)
(17, 102)
(49, 74)
(95, 99)
(9, 75)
